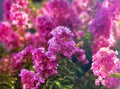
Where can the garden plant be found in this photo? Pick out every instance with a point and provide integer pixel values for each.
(60, 44)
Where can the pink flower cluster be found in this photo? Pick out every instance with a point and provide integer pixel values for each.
(102, 31)
(62, 43)
(20, 58)
(34, 40)
(105, 63)
(29, 79)
(65, 16)
(44, 64)
(15, 13)
(44, 26)
(103, 25)
(8, 37)
(62, 13)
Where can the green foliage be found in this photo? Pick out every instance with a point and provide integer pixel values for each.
(117, 75)
(87, 43)
(87, 81)
(65, 79)
(8, 82)
(71, 76)
(1, 50)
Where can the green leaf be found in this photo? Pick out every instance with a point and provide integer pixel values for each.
(68, 86)
(117, 75)
(58, 84)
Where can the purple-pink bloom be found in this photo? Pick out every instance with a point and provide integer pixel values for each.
(7, 6)
(29, 79)
(23, 3)
(62, 42)
(114, 9)
(32, 39)
(110, 81)
(44, 26)
(20, 58)
(80, 55)
(19, 18)
(102, 42)
(16, 14)
(102, 31)
(15, 7)
(104, 62)
(63, 14)
(44, 63)
(8, 37)
(101, 25)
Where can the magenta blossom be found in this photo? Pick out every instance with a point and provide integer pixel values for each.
(45, 64)
(29, 79)
(104, 64)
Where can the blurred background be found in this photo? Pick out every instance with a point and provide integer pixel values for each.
(1, 9)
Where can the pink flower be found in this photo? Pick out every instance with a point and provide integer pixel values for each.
(8, 37)
(45, 64)
(101, 25)
(20, 58)
(62, 42)
(32, 39)
(19, 18)
(80, 55)
(29, 79)
(105, 62)
(23, 3)
(44, 26)
(102, 42)
(108, 80)
(63, 14)
(102, 31)
(7, 6)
